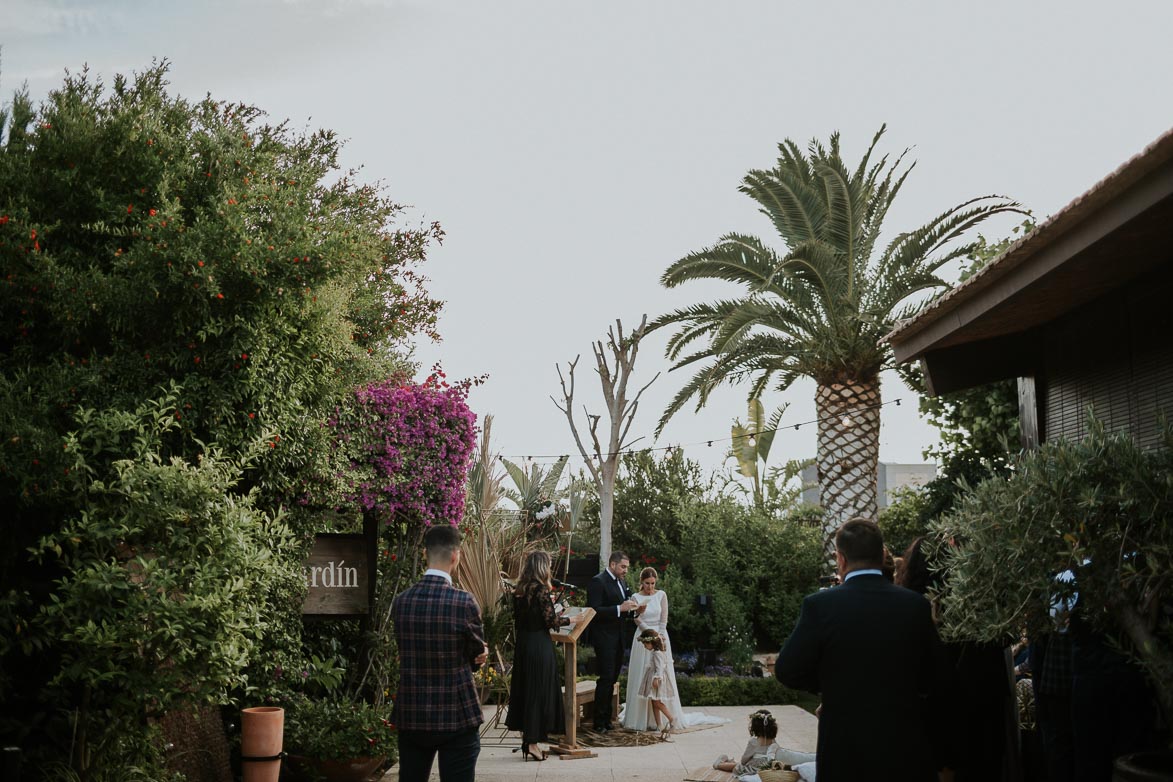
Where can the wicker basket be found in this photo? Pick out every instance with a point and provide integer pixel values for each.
(777, 775)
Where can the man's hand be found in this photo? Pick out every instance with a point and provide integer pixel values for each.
(482, 657)
(628, 605)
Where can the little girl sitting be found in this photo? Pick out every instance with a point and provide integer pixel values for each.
(656, 684)
(760, 750)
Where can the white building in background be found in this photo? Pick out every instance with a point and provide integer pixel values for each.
(889, 478)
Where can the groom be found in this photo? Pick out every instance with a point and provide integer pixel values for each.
(608, 594)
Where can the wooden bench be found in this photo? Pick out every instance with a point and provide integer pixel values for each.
(584, 701)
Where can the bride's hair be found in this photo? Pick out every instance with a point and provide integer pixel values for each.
(650, 636)
(648, 572)
(535, 574)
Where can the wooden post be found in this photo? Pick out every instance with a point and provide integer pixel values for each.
(569, 749)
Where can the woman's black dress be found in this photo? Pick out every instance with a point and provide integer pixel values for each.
(535, 693)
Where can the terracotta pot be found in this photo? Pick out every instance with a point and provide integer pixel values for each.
(261, 732)
(352, 770)
(1155, 766)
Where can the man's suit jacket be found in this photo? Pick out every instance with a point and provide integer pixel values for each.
(603, 594)
(870, 649)
(439, 632)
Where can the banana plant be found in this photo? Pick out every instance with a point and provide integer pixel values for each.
(752, 442)
(533, 489)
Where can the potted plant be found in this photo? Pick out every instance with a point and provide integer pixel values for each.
(338, 739)
(1100, 510)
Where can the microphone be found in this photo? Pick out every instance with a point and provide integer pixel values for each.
(563, 584)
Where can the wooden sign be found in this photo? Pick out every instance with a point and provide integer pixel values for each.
(339, 576)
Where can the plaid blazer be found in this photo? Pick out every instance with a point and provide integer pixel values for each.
(438, 628)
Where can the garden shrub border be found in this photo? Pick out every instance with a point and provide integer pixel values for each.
(736, 691)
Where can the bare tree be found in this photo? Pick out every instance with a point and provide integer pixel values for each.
(614, 361)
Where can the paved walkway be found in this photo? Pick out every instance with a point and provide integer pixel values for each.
(661, 762)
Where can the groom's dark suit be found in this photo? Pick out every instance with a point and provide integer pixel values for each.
(871, 650)
(604, 593)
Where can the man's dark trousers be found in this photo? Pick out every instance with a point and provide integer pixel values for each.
(604, 593)
(458, 753)
(610, 659)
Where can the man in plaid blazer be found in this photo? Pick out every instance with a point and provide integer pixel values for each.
(441, 642)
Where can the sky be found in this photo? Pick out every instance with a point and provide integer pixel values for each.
(572, 150)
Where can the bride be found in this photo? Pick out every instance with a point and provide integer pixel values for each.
(638, 714)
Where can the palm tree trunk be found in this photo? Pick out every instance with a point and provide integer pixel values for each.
(848, 451)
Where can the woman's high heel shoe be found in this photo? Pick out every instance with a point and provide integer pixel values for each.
(665, 732)
(529, 753)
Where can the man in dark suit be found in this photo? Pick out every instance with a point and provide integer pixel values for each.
(608, 594)
(441, 642)
(871, 650)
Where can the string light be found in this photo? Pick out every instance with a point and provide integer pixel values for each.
(846, 421)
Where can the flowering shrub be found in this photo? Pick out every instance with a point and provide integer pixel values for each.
(203, 247)
(409, 447)
(339, 729)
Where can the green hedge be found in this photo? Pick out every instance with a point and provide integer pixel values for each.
(736, 691)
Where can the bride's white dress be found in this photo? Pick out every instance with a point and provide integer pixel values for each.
(637, 712)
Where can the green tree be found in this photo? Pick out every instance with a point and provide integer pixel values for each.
(755, 563)
(649, 495)
(157, 603)
(150, 243)
(905, 519)
(820, 308)
(1101, 508)
(756, 569)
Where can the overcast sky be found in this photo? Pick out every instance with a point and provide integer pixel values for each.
(572, 150)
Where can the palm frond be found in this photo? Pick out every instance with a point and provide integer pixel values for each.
(819, 308)
(736, 258)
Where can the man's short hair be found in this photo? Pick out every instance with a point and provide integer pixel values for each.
(860, 542)
(441, 542)
(617, 556)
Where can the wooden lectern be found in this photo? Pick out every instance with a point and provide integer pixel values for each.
(569, 749)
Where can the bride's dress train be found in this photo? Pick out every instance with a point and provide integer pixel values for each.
(637, 713)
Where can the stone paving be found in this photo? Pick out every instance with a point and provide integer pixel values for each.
(660, 762)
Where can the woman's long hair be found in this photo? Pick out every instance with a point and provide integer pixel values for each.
(917, 573)
(535, 575)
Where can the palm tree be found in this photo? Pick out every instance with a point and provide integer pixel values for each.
(821, 308)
